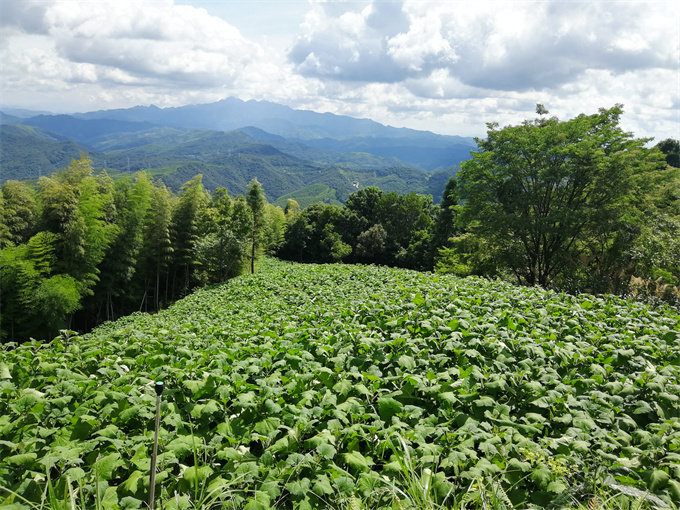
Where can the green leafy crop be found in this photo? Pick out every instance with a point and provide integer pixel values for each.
(310, 386)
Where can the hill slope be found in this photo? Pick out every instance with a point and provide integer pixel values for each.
(28, 152)
(229, 160)
(307, 386)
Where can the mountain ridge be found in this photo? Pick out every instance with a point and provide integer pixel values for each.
(296, 153)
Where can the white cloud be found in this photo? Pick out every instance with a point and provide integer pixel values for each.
(493, 45)
(124, 45)
(443, 66)
(500, 57)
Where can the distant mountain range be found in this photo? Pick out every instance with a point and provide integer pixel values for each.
(295, 154)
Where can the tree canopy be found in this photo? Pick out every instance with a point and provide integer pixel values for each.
(547, 193)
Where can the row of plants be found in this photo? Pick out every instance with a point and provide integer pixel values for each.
(337, 386)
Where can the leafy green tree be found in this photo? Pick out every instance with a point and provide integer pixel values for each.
(96, 212)
(297, 238)
(364, 203)
(185, 231)
(546, 193)
(20, 211)
(223, 246)
(257, 203)
(371, 244)
(275, 219)
(655, 252)
(333, 245)
(35, 303)
(671, 149)
(132, 200)
(319, 233)
(56, 297)
(407, 220)
(292, 209)
(78, 208)
(5, 235)
(156, 250)
(444, 227)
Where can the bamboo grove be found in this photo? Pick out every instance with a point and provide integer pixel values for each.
(79, 249)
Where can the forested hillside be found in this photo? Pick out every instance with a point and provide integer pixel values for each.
(226, 160)
(79, 249)
(577, 206)
(29, 153)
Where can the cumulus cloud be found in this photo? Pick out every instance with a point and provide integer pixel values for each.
(505, 46)
(438, 65)
(339, 42)
(27, 15)
(137, 45)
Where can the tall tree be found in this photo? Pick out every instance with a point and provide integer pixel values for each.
(257, 203)
(35, 302)
(20, 211)
(364, 202)
(444, 225)
(185, 231)
(78, 207)
(407, 220)
(223, 246)
(545, 193)
(671, 150)
(132, 202)
(156, 251)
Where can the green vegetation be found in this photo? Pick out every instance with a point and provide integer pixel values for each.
(81, 249)
(343, 386)
(310, 195)
(225, 160)
(338, 386)
(576, 206)
(544, 194)
(29, 153)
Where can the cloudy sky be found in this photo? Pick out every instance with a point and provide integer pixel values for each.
(443, 66)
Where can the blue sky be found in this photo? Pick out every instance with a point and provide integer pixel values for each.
(443, 66)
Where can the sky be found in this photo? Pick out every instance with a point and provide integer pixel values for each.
(447, 66)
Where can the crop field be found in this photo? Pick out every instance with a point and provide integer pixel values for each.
(350, 387)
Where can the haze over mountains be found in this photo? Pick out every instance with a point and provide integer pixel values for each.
(299, 154)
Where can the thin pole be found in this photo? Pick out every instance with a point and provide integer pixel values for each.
(152, 474)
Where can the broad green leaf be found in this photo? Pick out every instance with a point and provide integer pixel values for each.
(343, 387)
(24, 460)
(358, 461)
(134, 482)
(130, 503)
(322, 485)
(345, 485)
(195, 475)
(388, 407)
(542, 476)
(298, 487)
(657, 479)
(4, 371)
(267, 426)
(109, 500)
(557, 487)
(327, 451)
(76, 474)
(407, 362)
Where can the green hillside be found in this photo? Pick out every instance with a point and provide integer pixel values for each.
(28, 152)
(332, 386)
(226, 160)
